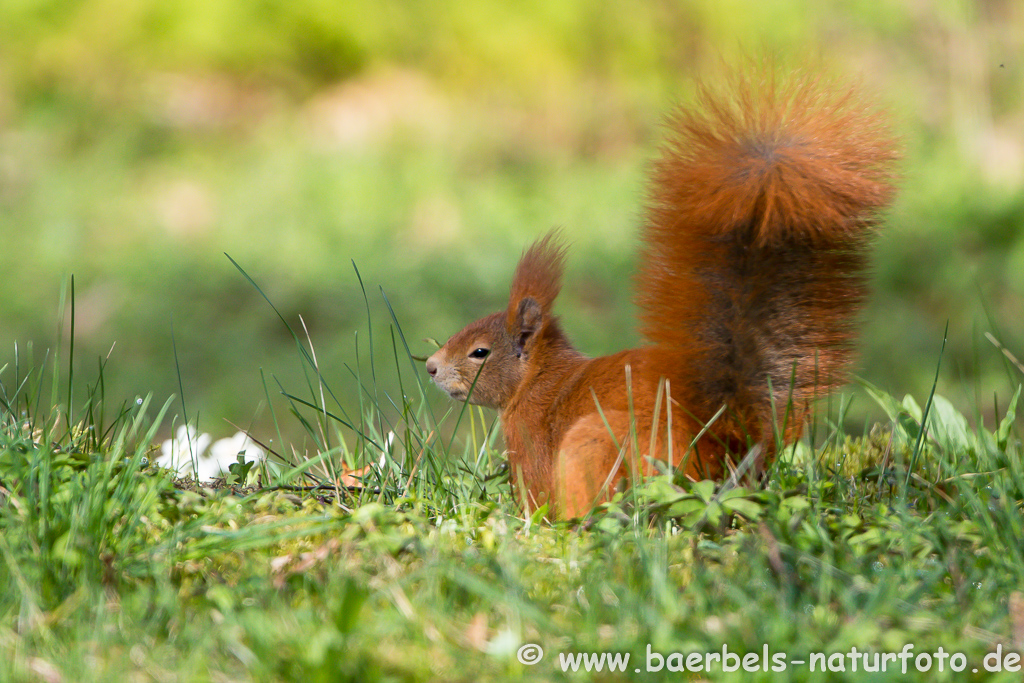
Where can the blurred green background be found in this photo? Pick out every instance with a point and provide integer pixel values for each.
(429, 142)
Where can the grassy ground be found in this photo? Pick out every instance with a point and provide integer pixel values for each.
(422, 568)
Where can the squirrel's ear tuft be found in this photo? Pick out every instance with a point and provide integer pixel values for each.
(538, 277)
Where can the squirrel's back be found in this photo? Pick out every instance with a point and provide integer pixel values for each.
(759, 215)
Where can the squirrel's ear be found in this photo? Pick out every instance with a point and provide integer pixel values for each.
(528, 321)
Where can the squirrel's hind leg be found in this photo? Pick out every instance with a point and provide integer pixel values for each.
(591, 464)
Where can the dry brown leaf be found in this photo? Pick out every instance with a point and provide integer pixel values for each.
(476, 632)
(1017, 619)
(45, 670)
(285, 565)
(279, 563)
(350, 479)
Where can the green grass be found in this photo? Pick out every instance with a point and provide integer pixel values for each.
(426, 570)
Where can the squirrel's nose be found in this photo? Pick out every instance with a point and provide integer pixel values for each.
(431, 366)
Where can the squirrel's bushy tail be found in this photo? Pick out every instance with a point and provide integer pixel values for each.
(759, 216)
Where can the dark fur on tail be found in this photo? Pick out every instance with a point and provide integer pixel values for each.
(761, 209)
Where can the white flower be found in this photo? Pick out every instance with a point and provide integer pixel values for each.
(226, 451)
(186, 453)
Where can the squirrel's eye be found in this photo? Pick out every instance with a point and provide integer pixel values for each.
(479, 353)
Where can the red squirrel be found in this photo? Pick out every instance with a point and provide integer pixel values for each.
(750, 277)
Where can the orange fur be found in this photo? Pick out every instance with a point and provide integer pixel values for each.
(760, 212)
